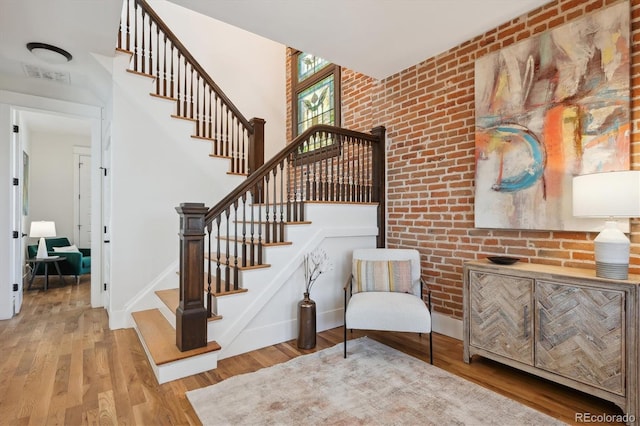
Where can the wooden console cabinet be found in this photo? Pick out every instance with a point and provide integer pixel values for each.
(563, 324)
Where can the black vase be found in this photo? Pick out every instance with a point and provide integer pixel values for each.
(306, 323)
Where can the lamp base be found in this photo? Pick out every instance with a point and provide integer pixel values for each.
(614, 271)
(42, 249)
(612, 253)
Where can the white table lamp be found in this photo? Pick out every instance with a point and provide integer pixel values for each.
(42, 229)
(609, 195)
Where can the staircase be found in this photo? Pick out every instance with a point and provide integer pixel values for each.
(241, 261)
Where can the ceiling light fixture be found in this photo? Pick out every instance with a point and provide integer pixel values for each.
(48, 53)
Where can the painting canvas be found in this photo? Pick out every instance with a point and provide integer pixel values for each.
(548, 108)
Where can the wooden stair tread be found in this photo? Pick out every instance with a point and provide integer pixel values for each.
(180, 117)
(366, 203)
(143, 74)
(204, 138)
(121, 50)
(288, 222)
(168, 98)
(171, 298)
(223, 283)
(222, 292)
(225, 157)
(264, 244)
(223, 261)
(160, 338)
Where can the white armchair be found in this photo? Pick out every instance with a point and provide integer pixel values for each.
(384, 293)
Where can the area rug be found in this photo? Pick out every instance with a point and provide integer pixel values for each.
(375, 385)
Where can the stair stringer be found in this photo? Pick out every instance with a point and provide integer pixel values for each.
(267, 313)
(146, 298)
(160, 110)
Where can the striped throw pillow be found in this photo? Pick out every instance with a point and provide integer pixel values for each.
(381, 275)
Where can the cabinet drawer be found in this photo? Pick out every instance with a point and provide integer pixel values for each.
(501, 316)
(580, 334)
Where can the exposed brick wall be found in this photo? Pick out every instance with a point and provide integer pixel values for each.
(429, 113)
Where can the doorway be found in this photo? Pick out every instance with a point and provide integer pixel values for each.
(59, 118)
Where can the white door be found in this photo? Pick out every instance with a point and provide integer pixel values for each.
(106, 219)
(19, 159)
(82, 197)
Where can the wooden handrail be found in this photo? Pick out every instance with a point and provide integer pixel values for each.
(260, 173)
(196, 65)
(157, 52)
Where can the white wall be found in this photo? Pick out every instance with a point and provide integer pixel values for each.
(51, 184)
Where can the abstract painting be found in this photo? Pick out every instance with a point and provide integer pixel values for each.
(548, 108)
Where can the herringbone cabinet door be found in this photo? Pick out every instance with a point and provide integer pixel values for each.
(581, 334)
(501, 320)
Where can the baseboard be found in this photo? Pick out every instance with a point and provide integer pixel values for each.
(272, 334)
(145, 299)
(260, 337)
(444, 324)
(120, 319)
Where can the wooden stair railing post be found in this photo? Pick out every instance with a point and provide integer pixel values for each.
(256, 144)
(379, 185)
(191, 315)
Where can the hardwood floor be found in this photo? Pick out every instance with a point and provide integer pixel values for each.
(61, 364)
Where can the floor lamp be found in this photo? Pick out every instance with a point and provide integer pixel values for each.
(609, 195)
(42, 229)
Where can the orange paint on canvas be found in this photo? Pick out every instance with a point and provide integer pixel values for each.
(561, 146)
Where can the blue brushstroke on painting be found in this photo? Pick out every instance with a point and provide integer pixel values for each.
(529, 176)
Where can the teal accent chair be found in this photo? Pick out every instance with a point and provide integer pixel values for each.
(75, 263)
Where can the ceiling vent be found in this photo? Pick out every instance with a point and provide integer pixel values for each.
(35, 71)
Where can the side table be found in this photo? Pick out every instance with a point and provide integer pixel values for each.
(45, 261)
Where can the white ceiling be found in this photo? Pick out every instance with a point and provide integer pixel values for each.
(81, 27)
(375, 37)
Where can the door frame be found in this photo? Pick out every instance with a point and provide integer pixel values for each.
(17, 258)
(105, 237)
(18, 102)
(78, 153)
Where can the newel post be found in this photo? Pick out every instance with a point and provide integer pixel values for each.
(191, 315)
(379, 182)
(256, 144)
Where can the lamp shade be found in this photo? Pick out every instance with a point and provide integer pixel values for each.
(607, 194)
(42, 229)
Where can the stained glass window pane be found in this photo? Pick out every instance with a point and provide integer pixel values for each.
(309, 65)
(315, 105)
